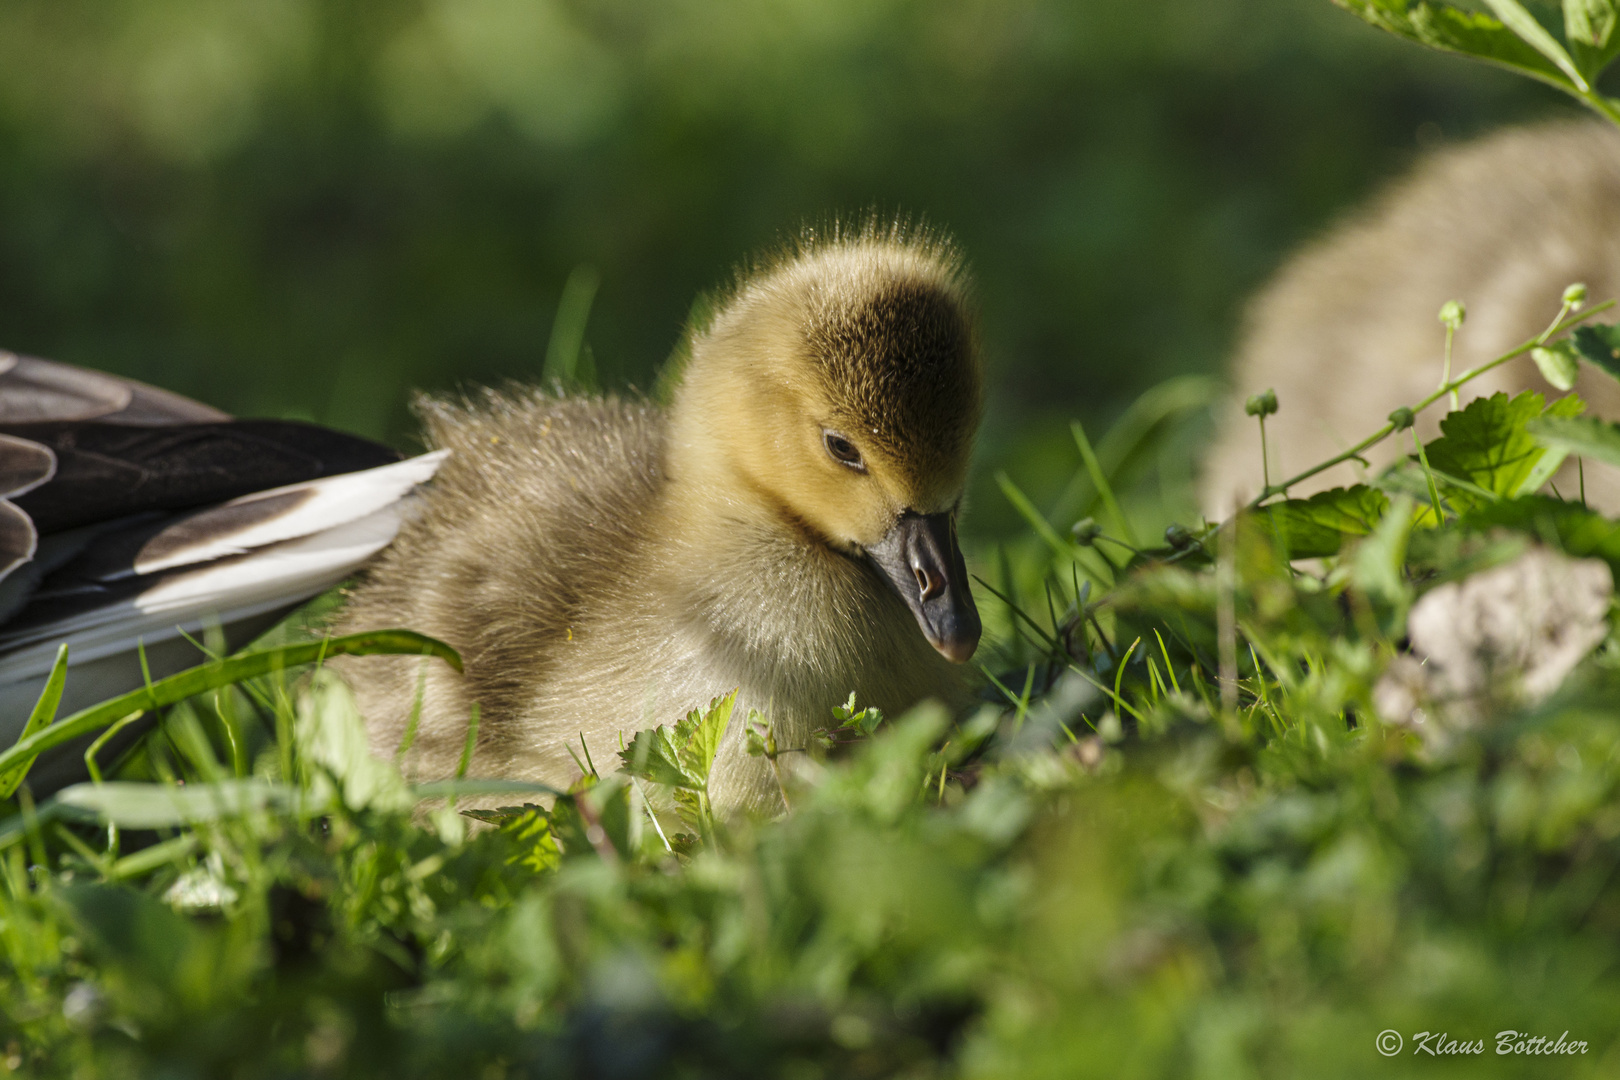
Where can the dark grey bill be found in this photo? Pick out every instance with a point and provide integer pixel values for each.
(921, 560)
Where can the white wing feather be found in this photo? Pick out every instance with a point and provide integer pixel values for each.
(232, 528)
(273, 577)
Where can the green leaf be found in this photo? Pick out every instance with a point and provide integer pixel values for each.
(1568, 526)
(1317, 526)
(1600, 344)
(860, 721)
(527, 831)
(1559, 363)
(1589, 30)
(653, 755)
(162, 806)
(1450, 29)
(142, 941)
(1521, 22)
(1584, 435)
(681, 758)
(332, 735)
(1589, 22)
(445, 789)
(219, 673)
(1408, 477)
(699, 735)
(1569, 405)
(1377, 567)
(536, 844)
(44, 712)
(1487, 444)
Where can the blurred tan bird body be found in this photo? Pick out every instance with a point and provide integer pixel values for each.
(1347, 331)
(785, 529)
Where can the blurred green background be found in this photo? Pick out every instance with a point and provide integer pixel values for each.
(302, 208)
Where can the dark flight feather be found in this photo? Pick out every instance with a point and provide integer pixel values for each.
(131, 517)
(107, 470)
(24, 465)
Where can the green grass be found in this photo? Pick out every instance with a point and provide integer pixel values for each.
(1181, 837)
(1177, 840)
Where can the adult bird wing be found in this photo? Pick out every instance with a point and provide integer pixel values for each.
(133, 521)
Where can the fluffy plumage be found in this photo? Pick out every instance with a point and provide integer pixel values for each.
(1347, 330)
(604, 565)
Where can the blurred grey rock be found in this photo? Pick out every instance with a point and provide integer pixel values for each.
(1508, 635)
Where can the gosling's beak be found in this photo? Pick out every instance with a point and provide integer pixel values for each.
(921, 560)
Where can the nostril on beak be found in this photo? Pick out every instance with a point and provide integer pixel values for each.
(929, 584)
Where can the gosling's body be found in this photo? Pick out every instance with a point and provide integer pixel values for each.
(603, 565)
(1347, 331)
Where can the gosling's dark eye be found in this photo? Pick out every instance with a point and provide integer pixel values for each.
(843, 450)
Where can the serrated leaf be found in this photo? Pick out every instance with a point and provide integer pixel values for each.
(653, 755)
(527, 829)
(1584, 435)
(1600, 344)
(698, 736)
(1486, 442)
(1318, 526)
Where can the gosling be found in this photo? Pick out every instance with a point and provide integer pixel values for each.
(786, 528)
(1347, 330)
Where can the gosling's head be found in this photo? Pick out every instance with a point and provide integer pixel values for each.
(843, 386)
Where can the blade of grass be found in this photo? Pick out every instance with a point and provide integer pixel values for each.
(44, 712)
(1133, 432)
(210, 676)
(1170, 669)
(1051, 642)
(148, 859)
(102, 740)
(1119, 702)
(1104, 490)
(1119, 672)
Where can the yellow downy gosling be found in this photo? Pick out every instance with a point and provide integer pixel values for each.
(786, 528)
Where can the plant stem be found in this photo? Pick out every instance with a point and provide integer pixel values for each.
(1445, 375)
(1601, 104)
(1434, 492)
(1559, 326)
(1265, 457)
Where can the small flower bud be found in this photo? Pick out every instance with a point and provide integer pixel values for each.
(1178, 537)
(1452, 313)
(1086, 531)
(1575, 295)
(1402, 418)
(1261, 404)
